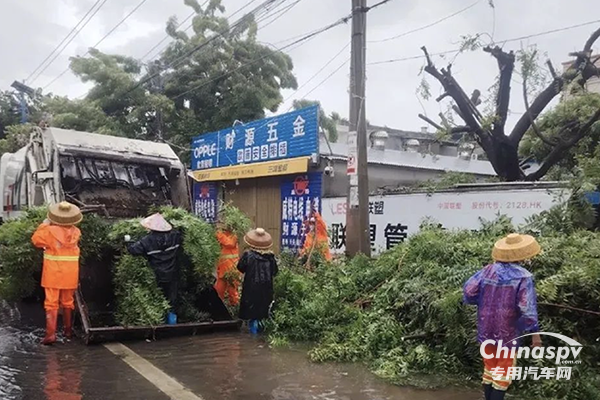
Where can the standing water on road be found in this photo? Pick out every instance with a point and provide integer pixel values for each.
(214, 367)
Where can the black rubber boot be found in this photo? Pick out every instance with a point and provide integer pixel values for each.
(497, 394)
(487, 391)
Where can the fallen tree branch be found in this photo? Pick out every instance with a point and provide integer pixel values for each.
(570, 308)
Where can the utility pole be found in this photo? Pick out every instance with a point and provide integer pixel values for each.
(357, 212)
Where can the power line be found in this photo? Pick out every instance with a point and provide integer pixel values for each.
(167, 36)
(335, 71)
(281, 13)
(318, 72)
(177, 61)
(428, 25)
(69, 41)
(395, 60)
(299, 41)
(101, 40)
(63, 40)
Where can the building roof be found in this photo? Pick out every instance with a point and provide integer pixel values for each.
(414, 160)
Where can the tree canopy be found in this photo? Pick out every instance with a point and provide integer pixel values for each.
(548, 138)
(202, 81)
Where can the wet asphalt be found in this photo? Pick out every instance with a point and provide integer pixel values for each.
(225, 366)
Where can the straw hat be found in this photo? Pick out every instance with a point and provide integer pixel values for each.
(258, 239)
(64, 214)
(156, 222)
(515, 247)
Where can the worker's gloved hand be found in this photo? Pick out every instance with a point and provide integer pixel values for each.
(127, 238)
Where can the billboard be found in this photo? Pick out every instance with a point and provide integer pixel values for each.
(393, 218)
(291, 135)
(205, 201)
(299, 195)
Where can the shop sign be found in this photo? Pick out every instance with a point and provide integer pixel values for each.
(273, 168)
(205, 201)
(300, 194)
(284, 136)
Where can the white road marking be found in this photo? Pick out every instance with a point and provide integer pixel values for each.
(165, 383)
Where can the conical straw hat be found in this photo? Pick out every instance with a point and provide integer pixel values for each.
(515, 248)
(64, 214)
(258, 239)
(156, 222)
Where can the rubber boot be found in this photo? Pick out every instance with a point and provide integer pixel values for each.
(497, 394)
(172, 318)
(68, 322)
(51, 318)
(253, 325)
(487, 391)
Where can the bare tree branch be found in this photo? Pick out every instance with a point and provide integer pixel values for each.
(506, 65)
(551, 69)
(430, 122)
(534, 126)
(592, 39)
(559, 151)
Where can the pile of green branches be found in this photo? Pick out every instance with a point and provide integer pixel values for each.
(234, 220)
(402, 313)
(138, 299)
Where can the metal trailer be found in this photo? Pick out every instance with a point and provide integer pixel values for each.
(118, 178)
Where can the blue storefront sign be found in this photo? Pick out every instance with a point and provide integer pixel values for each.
(290, 135)
(300, 194)
(205, 201)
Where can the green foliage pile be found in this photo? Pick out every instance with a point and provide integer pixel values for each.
(402, 313)
(199, 241)
(139, 300)
(20, 262)
(235, 220)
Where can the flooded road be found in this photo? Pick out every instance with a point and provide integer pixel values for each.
(212, 367)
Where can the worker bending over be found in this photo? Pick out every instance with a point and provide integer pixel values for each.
(161, 247)
(59, 237)
(228, 277)
(317, 239)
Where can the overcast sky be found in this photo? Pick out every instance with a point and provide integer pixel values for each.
(29, 30)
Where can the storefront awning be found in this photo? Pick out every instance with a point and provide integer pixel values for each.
(271, 168)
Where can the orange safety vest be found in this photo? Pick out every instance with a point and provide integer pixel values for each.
(319, 234)
(61, 255)
(230, 252)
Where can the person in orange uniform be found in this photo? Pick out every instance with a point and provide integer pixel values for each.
(228, 278)
(316, 237)
(59, 237)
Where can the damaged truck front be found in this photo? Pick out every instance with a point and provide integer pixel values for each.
(113, 176)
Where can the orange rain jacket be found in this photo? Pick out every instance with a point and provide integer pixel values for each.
(318, 233)
(61, 255)
(230, 252)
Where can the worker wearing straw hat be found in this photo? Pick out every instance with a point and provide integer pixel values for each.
(161, 248)
(59, 237)
(505, 295)
(259, 268)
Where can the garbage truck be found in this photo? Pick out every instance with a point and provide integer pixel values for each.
(116, 177)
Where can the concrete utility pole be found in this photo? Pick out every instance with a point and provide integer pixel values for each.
(357, 214)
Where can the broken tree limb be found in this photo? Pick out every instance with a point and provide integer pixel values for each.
(430, 122)
(534, 126)
(506, 65)
(570, 308)
(558, 152)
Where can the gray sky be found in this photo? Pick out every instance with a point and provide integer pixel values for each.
(29, 30)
